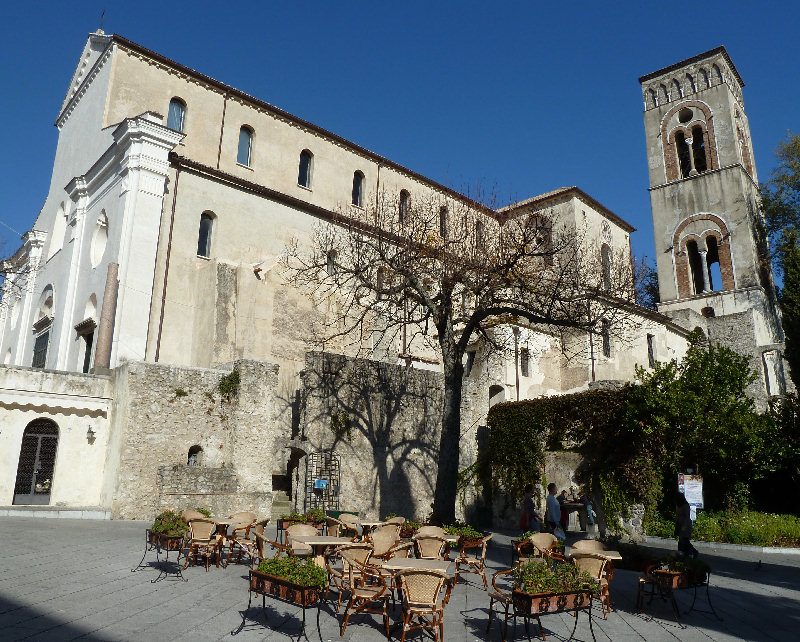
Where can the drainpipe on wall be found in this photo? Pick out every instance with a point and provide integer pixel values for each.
(105, 330)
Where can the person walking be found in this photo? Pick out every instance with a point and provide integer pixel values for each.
(530, 520)
(553, 515)
(685, 527)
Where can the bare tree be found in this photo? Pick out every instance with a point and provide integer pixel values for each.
(440, 272)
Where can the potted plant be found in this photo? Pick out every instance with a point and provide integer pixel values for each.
(468, 536)
(677, 572)
(168, 531)
(541, 587)
(315, 517)
(292, 579)
(409, 529)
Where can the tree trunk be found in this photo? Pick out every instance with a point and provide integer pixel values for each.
(446, 490)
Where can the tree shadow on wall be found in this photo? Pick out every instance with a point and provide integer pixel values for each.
(380, 413)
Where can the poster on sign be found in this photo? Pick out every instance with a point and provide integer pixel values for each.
(692, 488)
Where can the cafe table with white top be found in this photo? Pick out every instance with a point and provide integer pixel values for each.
(319, 543)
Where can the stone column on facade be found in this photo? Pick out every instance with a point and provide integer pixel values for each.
(34, 246)
(102, 354)
(693, 171)
(704, 268)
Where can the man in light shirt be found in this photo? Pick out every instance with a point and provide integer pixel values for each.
(553, 515)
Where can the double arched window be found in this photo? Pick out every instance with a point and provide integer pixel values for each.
(176, 115)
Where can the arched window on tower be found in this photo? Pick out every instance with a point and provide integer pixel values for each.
(716, 76)
(696, 267)
(663, 98)
(652, 99)
(704, 83)
(689, 85)
(699, 150)
(684, 160)
(712, 260)
(676, 90)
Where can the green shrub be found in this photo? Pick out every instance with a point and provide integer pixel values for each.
(659, 526)
(205, 511)
(228, 385)
(462, 530)
(303, 572)
(537, 576)
(169, 523)
(744, 527)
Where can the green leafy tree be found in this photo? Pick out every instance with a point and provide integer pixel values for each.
(696, 414)
(789, 298)
(780, 203)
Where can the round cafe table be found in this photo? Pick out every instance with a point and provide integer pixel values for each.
(319, 543)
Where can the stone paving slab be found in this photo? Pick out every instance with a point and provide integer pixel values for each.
(64, 579)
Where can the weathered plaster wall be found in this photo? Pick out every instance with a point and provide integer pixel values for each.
(389, 454)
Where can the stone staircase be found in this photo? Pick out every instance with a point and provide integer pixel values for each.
(281, 504)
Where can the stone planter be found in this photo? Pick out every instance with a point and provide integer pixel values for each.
(544, 603)
(263, 584)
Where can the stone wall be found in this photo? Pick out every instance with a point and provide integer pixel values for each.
(384, 422)
(163, 411)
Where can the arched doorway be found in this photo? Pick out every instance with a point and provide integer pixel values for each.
(37, 459)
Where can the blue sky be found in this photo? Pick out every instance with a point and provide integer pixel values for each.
(520, 97)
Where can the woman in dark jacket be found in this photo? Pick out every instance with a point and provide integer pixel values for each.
(685, 526)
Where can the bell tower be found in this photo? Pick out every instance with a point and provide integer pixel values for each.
(712, 262)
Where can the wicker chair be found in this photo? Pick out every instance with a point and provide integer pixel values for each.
(596, 566)
(541, 542)
(246, 543)
(300, 549)
(431, 547)
(352, 558)
(333, 527)
(396, 520)
(190, 514)
(203, 542)
(368, 587)
(383, 541)
(473, 563)
(388, 527)
(425, 531)
(588, 546)
(501, 595)
(352, 525)
(421, 591)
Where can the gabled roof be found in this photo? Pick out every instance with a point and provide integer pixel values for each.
(95, 45)
(570, 191)
(708, 54)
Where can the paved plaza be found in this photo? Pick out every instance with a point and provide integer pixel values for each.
(63, 579)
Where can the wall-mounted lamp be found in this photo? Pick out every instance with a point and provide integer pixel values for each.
(90, 435)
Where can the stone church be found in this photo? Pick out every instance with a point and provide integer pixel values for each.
(153, 355)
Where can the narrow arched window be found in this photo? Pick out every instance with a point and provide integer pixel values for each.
(697, 266)
(684, 159)
(605, 259)
(304, 171)
(330, 264)
(676, 90)
(480, 236)
(204, 235)
(663, 97)
(699, 149)
(443, 222)
(704, 83)
(689, 85)
(358, 189)
(402, 211)
(716, 75)
(195, 456)
(712, 261)
(176, 114)
(245, 146)
(525, 362)
(653, 99)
